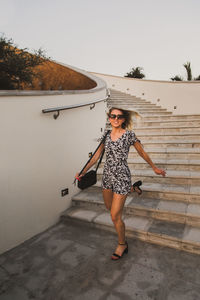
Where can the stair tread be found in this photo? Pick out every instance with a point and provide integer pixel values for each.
(185, 234)
(137, 128)
(181, 134)
(166, 161)
(170, 150)
(170, 141)
(95, 194)
(133, 202)
(169, 173)
(168, 188)
(144, 121)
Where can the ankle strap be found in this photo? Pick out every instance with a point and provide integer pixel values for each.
(123, 244)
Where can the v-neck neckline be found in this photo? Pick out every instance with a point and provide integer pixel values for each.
(118, 138)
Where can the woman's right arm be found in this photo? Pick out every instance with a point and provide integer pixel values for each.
(92, 162)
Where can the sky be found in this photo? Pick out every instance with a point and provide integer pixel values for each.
(109, 36)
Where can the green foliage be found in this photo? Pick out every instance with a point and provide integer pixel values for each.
(177, 78)
(135, 73)
(17, 65)
(187, 66)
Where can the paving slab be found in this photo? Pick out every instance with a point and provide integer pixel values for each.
(83, 214)
(82, 268)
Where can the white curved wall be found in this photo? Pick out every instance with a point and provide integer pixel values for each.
(178, 97)
(40, 156)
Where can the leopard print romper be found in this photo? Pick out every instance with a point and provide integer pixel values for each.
(116, 173)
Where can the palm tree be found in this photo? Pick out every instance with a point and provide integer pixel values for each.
(135, 73)
(187, 66)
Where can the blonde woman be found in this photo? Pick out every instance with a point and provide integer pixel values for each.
(116, 180)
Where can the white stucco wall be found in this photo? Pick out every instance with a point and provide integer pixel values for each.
(40, 156)
(178, 97)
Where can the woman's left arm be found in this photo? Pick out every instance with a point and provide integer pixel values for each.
(146, 157)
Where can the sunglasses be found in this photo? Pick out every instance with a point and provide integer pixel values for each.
(119, 117)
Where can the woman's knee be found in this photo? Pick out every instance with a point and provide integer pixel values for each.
(116, 217)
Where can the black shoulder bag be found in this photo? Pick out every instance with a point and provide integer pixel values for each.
(90, 178)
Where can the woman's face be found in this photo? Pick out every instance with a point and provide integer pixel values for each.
(116, 118)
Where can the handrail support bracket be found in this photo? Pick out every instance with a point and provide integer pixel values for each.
(56, 115)
(92, 106)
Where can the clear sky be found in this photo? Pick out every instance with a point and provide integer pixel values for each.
(109, 36)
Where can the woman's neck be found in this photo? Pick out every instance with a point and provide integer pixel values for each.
(117, 130)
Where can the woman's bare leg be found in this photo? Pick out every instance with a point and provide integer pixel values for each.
(107, 196)
(118, 202)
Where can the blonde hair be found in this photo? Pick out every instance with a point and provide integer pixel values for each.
(128, 123)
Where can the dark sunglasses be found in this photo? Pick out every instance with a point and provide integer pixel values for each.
(119, 117)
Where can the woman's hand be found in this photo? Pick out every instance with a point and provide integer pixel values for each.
(159, 171)
(78, 177)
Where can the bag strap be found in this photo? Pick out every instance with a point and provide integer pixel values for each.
(102, 154)
(102, 141)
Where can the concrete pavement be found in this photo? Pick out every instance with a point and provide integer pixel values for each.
(73, 262)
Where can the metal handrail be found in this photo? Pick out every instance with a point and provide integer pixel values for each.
(58, 109)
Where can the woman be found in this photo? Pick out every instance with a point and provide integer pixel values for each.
(116, 181)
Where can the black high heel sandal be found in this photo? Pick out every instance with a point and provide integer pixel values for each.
(117, 256)
(136, 187)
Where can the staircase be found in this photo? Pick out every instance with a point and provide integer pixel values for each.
(168, 211)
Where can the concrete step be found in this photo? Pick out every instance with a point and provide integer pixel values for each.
(143, 112)
(184, 150)
(167, 131)
(140, 103)
(179, 140)
(168, 164)
(170, 192)
(173, 211)
(130, 101)
(170, 144)
(170, 138)
(151, 109)
(172, 118)
(181, 236)
(158, 128)
(167, 124)
(126, 97)
(173, 177)
(140, 107)
(169, 153)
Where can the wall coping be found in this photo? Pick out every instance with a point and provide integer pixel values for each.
(149, 80)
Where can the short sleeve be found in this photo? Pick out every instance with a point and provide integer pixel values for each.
(133, 138)
(106, 132)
